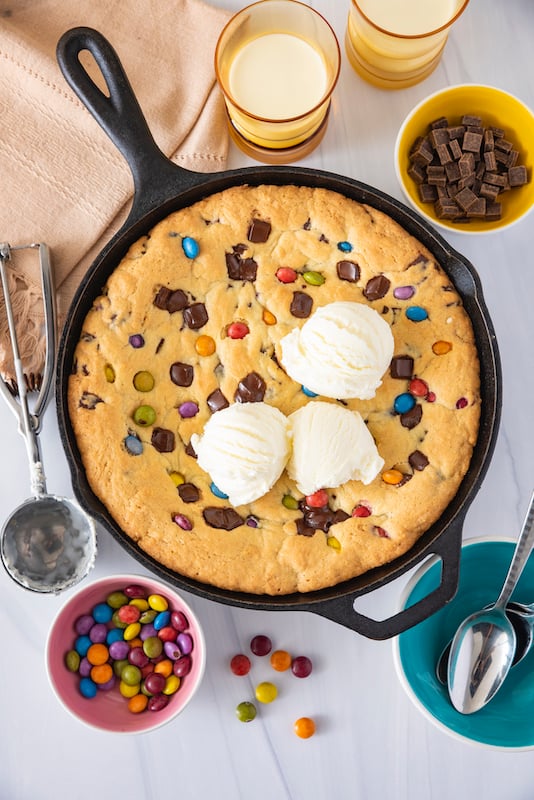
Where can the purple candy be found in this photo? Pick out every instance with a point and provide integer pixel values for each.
(185, 643)
(136, 340)
(403, 292)
(85, 667)
(105, 687)
(119, 650)
(183, 522)
(147, 630)
(98, 632)
(83, 624)
(188, 409)
(172, 650)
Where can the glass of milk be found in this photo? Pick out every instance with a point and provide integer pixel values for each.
(396, 43)
(277, 63)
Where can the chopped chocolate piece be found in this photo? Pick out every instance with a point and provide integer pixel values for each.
(259, 231)
(240, 269)
(444, 154)
(181, 374)
(163, 440)
(456, 132)
(225, 518)
(303, 529)
(501, 157)
(488, 190)
(160, 300)
(465, 198)
(498, 133)
(493, 211)
(248, 270)
(440, 122)
(251, 389)
(195, 315)
(377, 287)
(478, 208)
(417, 172)
(188, 492)
(177, 301)
(469, 119)
(319, 518)
(446, 209)
(503, 144)
(468, 181)
(427, 193)
(517, 176)
(89, 401)
(340, 516)
(233, 265)
(401, 367)
(190, 451)
(496, 179)
(422, 152)
(452, 172)
(439, 136)
(418, 460)
(472, 142)
(216, 401)
(301, 305)
(466, 164)
(348, 271)
(455, 149)
(436, 176)
(413, 417)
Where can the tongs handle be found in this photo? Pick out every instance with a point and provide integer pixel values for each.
(21, 409)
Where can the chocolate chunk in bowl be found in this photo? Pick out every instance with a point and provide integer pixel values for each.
(179, 191)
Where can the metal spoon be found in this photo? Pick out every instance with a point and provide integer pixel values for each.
(521, 615)
(48, 543)
(483, 647)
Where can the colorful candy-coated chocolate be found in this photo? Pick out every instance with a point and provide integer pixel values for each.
(416, 313)
(190, 247)
(403, 402)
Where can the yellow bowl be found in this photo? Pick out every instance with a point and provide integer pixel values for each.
(496, 108)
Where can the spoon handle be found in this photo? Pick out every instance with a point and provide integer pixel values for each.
(522, 551)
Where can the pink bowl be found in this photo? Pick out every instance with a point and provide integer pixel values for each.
(108, 710)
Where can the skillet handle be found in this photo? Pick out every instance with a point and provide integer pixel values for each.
(122, 119)
(341, 609)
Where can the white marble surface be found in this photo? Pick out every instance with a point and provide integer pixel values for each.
(371, 743)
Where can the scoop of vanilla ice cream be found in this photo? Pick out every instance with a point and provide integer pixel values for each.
(331, 445)
(341, 351)
(244, 448)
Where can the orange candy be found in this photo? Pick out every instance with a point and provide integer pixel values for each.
(280, 660)
(97, 654)
(205, 345)
(137, 703)
(440, 348)
(304, 727)
(268, 317)
(392, 476)
(164, 667)
(102, 673)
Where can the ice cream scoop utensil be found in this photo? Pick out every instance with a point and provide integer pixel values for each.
(484, 645)
(48, 543)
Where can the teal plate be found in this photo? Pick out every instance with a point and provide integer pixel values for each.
(507, 722)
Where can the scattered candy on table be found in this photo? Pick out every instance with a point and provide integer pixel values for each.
(134, 641)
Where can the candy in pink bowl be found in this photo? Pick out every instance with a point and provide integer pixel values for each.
(108, 710)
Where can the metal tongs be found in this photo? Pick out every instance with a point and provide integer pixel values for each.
(48, 543)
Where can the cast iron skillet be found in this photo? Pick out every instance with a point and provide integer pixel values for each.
(161, 187)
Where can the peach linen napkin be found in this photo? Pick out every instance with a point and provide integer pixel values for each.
(62, 180)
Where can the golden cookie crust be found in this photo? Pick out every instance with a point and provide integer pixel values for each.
(309, 230)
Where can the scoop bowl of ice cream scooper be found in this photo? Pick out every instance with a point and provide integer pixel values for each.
(48, 543)
(484, 645)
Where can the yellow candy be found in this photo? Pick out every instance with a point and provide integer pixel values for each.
(132, 630)
(269, 318)
(158, 602)
(177, 478)
(172, 684)
(392, 476)
(334, 543)
(139, 602)
(109, 372)
(129, 691)
(205, 345)
(441, 347)
(266, 692)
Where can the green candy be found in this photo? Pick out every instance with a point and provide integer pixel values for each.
(314, 278)
(143, 381)
(144, 415)
(245, 711)
(72, 661)
(289, 502)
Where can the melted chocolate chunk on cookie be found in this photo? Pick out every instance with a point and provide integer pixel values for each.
(301, 305)
(377, 287)
(251, 389)
(89, 401)
(348, 271)
(163, 440)
(320, 519)
(188, 492)
(412, 418)
(195, 316)
(182, 374)
(170, 300)
(238, 268)
(259, 231)
(401, 367)
(216, 401)
(418, 460)
(189, 450)
(225, 518)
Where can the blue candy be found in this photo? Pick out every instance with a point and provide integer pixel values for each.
(190, 247)
(161, 620)
(114, 635)
(102, 612)
(308, 392)
(88, 687)
(345, 247)
(416, 313)
(82, 645)
(133, 445)
(217, 492)
(404, 403)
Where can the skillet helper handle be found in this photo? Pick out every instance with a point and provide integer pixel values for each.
(120, 116)
(341, 609)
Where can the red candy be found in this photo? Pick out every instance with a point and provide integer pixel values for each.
(418, 388)
(128, 614)
(361, 511)
(237, 330)
(286, 275)
(240, 664)
(318, 499)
